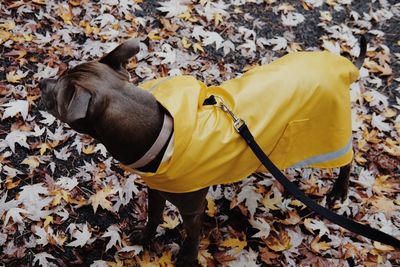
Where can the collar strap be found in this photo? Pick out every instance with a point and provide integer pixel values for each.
(157, 146)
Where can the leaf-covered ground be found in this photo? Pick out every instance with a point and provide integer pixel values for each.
(65, 202)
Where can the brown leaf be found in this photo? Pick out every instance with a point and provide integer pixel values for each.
(278, 241)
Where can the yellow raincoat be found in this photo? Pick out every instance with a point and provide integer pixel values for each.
(297, 108)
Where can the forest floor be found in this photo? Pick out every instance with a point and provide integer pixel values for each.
(65, 202)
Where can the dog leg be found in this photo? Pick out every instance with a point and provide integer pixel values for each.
(156, 203)
(191, 207)
(340, 187)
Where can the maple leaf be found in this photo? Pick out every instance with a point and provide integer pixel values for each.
(273, 200)
(18, 137)
(82, 237)
(377, 122)
(228, 46)
(316, 225)
(113, 232)
(63, 154)
(251, 197)
(15, 76)
(15, 107)
(6, 206)
(42, 258)
(235, 243)
(137, 249)
(245, 259)
(67, 183)
(48, 118)
(168, 54)
(173, 8)
(42, 234)
(365, 179)
(278, 241)
(383, 204)
(15, 214)
(319, 246)
(332, 47)
(292, 19)
(383, 183)
(278, 42)
(213, 37)
(33, 202)
(262, 226)
(170, 223)
(100, 198)
(32, 161)
(45, 71)
(211, 207)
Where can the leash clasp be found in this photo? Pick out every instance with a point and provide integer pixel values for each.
(237, 122)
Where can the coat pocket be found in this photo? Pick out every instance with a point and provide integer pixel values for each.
(283, 154)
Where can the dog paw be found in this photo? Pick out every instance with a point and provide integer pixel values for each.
(335, 195)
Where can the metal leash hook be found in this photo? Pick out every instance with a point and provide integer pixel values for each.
(237, 122)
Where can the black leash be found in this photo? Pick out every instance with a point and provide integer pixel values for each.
(360, 229)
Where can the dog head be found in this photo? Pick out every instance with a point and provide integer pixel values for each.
(84, 91)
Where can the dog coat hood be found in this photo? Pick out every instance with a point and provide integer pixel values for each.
(298, 109)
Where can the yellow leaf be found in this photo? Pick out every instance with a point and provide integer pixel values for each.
(325, 15)
(319, 246)
(12, 77)
(43, 148)
(117, 263)
(32, 162)
(153, 35)
(4, 36)
(165, 259)
(235, 243)
(211, 207)
(384, 184)
(186, 16)
(298, 203)
(198, 47)
(218, 19)
(74, 2)
(39, 2)
(88, 149)
(8, 25)
(169, 222)
(271, 202)
(64, 12)
(81, 201)
(59, 194)
(48, 220)
(359, 158)
(383, 69)
(59, 239)
(100, 198)
(331, 2)
(10, 184)
(28, 37)
(382, 247)
(384, 204)
(186, 43)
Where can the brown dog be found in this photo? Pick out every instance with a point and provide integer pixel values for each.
(96, 98)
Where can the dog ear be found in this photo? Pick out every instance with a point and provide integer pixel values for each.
(78, 105)
(120, 56)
